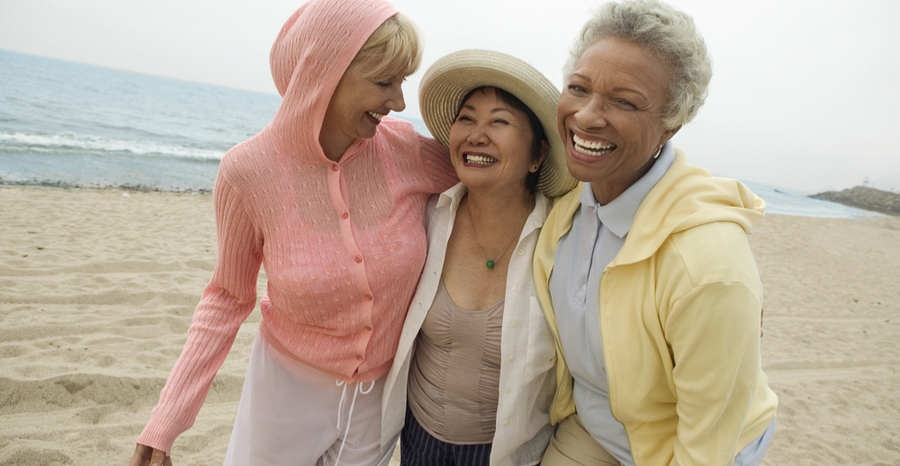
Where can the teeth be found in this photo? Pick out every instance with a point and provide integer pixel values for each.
(480, 159)
(595, 148)
(376, 116)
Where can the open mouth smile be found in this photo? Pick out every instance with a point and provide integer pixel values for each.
(591, 148)
(473, 159)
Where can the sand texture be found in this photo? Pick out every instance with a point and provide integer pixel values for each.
(97, 288)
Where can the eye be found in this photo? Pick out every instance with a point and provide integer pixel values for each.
(463, 118)
(384, 84)
(500, 121)
(622, 103)
(576, 89)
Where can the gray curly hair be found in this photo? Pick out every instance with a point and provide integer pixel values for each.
(665, 32)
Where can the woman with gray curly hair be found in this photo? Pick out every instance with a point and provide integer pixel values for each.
(656, 305)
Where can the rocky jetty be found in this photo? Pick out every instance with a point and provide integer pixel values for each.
(865, 198)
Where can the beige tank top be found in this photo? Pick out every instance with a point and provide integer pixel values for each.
(454, 377)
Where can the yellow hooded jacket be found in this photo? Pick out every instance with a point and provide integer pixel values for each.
(680, 309)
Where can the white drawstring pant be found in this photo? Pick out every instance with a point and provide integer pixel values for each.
(291, 414)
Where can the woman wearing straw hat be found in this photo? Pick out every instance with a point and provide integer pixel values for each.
(476, 359)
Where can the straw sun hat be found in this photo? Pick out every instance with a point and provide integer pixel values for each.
(450, 78)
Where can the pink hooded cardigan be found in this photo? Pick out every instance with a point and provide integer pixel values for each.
(342, 243)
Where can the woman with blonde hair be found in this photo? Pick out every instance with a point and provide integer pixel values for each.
(330, 199)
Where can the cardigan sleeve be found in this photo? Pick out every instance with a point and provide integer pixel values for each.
(438, 167)
(227, 300)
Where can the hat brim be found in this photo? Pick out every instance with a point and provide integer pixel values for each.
(450, 78)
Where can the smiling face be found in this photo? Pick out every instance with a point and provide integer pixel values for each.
(611, 113)
(356, 108)
(491, 143)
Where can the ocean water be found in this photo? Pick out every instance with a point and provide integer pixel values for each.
(69, 124)
(73, 125)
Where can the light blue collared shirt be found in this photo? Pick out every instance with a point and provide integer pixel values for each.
(598, 233)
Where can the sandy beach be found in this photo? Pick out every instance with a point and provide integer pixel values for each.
(97, 288)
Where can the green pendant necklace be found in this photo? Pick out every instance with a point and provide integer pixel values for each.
(490, 263)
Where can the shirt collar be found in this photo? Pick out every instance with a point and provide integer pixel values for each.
(619, 214)
(453, 196)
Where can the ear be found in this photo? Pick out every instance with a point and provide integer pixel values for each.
(667, 134)
(545, 149)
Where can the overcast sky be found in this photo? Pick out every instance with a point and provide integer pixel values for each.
(804, 94)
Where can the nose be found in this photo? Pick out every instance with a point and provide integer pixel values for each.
(592, 115)
(477, 135)
(396, 102)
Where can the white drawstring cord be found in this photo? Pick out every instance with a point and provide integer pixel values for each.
(341, 404)
(357, 390)
(361, 392)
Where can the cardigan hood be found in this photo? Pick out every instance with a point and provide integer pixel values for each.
(310, 55)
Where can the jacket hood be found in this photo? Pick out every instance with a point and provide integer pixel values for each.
(687, 196)
(313, 49)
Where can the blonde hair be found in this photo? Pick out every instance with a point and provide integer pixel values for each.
(395, 45)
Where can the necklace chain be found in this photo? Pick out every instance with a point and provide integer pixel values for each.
(490, 263)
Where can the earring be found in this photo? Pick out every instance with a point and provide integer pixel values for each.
(658, 151)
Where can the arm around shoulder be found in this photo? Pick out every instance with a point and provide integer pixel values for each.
(436, 159)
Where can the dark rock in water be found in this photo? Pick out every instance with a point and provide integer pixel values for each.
(865, 198)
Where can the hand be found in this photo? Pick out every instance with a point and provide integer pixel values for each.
(147, 456)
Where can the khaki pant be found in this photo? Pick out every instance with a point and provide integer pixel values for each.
(572, 445)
